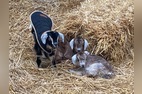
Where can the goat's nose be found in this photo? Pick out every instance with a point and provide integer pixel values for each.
(82, 66)
(78, 49)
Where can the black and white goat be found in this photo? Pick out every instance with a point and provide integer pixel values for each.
(46, 40)
(91, 65)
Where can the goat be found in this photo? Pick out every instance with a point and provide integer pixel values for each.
(91, 65)
(78, 44)
(67, 49)
(63, 51)
(46, 40)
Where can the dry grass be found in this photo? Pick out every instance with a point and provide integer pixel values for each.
(108, 25)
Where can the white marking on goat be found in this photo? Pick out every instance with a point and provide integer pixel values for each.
(78, 49)
(71, 43)
(86, 52)
(110, 73)
(93, 69)
(82, 63)
(51, 41)
(44, 37)
(62, 36)
(85, 44)
(74, 59)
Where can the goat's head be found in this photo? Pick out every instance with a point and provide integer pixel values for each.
(80, 58)
(78, 44)
(51, 38)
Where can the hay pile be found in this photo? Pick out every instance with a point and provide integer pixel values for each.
(108, 25)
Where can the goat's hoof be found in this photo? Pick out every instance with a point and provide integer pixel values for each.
(71, 70)
(53, 66)
(79, 73)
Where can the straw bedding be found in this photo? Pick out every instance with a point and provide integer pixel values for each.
(108, 25)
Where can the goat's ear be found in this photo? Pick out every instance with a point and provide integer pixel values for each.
(85, 44)
(74, 59)
(61, 36)
(44, 37)
(71, 43)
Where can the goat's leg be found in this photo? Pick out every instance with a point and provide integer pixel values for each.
(92, 71)
(79, 71)
(37, 49)
(54, 62)
(57, 58)
(52, 58)
(38, 54)
(38, 61)
(106, 74)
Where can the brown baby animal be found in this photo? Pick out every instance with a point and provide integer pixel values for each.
(91, 65)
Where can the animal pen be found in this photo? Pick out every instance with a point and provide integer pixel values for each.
(108, 25)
